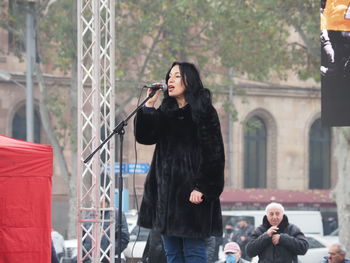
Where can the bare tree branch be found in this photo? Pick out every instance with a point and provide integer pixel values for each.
(46, 121)
(48, 5)
(150, 52)
(119, 110)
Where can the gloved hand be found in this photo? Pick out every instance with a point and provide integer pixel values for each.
(328, 49)
(327, 46)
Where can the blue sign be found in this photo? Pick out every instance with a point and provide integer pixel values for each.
(138, 168)
(124, 168)
(130, 168)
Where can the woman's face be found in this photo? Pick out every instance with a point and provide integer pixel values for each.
(176, 87)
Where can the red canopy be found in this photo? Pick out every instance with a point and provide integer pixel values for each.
(25, 201)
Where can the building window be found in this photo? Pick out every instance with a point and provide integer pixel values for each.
(19, 124)
(319, 156)
(255, 153)
(16, 32)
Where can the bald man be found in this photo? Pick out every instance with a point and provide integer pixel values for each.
(276, 240)
(336, 254)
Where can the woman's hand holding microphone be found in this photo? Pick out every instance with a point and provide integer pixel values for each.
(150, 103)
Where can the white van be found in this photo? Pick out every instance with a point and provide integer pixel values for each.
(309, 222)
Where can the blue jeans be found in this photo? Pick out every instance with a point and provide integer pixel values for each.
(185, 250)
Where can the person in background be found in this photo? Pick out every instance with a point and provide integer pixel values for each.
(336, 254)
(233, 254)
(186, 178)
(241, 235)
(329, 225)
(58, 242)
(228, 233)
(276, 240)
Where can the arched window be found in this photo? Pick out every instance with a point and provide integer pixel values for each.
(319, 156)
(19, 124)
(255, 153)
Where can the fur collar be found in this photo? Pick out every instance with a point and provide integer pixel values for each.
(281, 227)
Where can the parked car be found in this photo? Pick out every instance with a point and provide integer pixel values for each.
(318, 248)
(137, 244)
(70, 251)
(334, 233)
(310, 222)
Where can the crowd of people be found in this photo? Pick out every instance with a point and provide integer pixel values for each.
(276, 240)
(239, 232)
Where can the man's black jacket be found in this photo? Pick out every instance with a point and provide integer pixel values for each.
(292, 243)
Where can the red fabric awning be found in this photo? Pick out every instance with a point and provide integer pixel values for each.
(25, 201)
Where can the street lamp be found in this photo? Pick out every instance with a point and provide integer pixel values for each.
(30, 55)
(29, 106)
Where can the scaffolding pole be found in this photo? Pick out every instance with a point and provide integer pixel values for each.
(96, 119)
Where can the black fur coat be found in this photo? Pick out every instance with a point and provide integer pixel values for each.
(187, 156)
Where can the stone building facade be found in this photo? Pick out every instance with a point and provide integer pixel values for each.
(284, 147)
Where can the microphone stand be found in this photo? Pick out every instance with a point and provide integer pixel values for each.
(119, 129)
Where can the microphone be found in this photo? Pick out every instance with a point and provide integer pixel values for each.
(163, 87)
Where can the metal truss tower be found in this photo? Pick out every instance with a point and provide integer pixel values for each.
(96, 120)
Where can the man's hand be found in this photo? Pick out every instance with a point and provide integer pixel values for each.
(276, 239)
(272, 230)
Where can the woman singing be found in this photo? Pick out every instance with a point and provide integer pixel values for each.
(186, 178)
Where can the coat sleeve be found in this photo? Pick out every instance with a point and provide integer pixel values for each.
(258, 241)
(295, 241)
(147, 126)
(210, 179)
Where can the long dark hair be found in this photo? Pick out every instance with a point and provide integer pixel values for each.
(198, 97)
